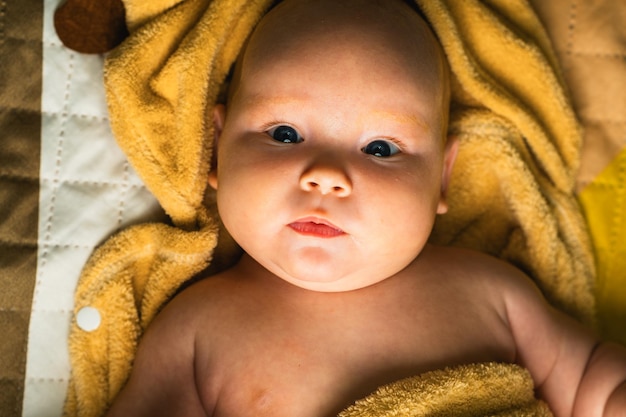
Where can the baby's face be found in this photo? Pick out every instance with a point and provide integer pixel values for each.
(331, 156)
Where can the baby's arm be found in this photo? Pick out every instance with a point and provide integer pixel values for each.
(162, 380)
(605, 371)
(575, 373)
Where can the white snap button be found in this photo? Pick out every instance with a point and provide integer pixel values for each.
(88, 319)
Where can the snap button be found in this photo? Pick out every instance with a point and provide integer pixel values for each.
(88, 319)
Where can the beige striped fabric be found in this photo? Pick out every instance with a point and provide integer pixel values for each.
(20, 126)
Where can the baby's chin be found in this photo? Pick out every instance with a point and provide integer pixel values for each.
(333, 282)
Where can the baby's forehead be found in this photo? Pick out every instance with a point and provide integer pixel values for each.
(293, 20)
(386, 35)
(312, 28)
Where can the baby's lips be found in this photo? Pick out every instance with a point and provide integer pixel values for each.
(312, 226)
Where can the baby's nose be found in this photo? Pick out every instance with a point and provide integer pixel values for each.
(326, 179)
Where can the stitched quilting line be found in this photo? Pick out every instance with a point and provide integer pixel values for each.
(122, 204)
(75, 115)
(571, 27)
(49, 245)
(76, 246)
(126, 184)
(603, 55)
(605, 184)
(11, 175)
(18, 243)
(47, 380)
(55, 179)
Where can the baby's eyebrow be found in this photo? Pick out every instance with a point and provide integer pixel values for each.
(258, 100)
(403, 118)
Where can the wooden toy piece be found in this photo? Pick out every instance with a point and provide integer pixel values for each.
(91, 26)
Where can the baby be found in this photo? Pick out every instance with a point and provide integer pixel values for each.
(332, 165)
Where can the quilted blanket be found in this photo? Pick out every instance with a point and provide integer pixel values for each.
(65, 186)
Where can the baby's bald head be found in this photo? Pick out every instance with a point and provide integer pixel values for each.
(380, 34)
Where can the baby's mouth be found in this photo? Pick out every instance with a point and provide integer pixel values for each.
(316, 227)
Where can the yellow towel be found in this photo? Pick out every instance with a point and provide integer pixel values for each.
(512, 188)
(511, 195)
(476, 390)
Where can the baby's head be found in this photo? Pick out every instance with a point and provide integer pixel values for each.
(388, 33)
(331, 152)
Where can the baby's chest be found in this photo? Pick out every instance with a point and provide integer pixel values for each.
(301, 381)
(318, 368)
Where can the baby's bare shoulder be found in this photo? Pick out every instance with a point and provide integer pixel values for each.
(494, 282)
(477, 270)
(498, 278)
(169, 341)
(205, 300)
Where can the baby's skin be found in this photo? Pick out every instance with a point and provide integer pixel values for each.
(332, 165)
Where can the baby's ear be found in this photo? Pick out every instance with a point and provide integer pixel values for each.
(450, 152)
(219, 115)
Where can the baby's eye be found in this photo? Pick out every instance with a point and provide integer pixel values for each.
(285, 134)
(381, 148)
